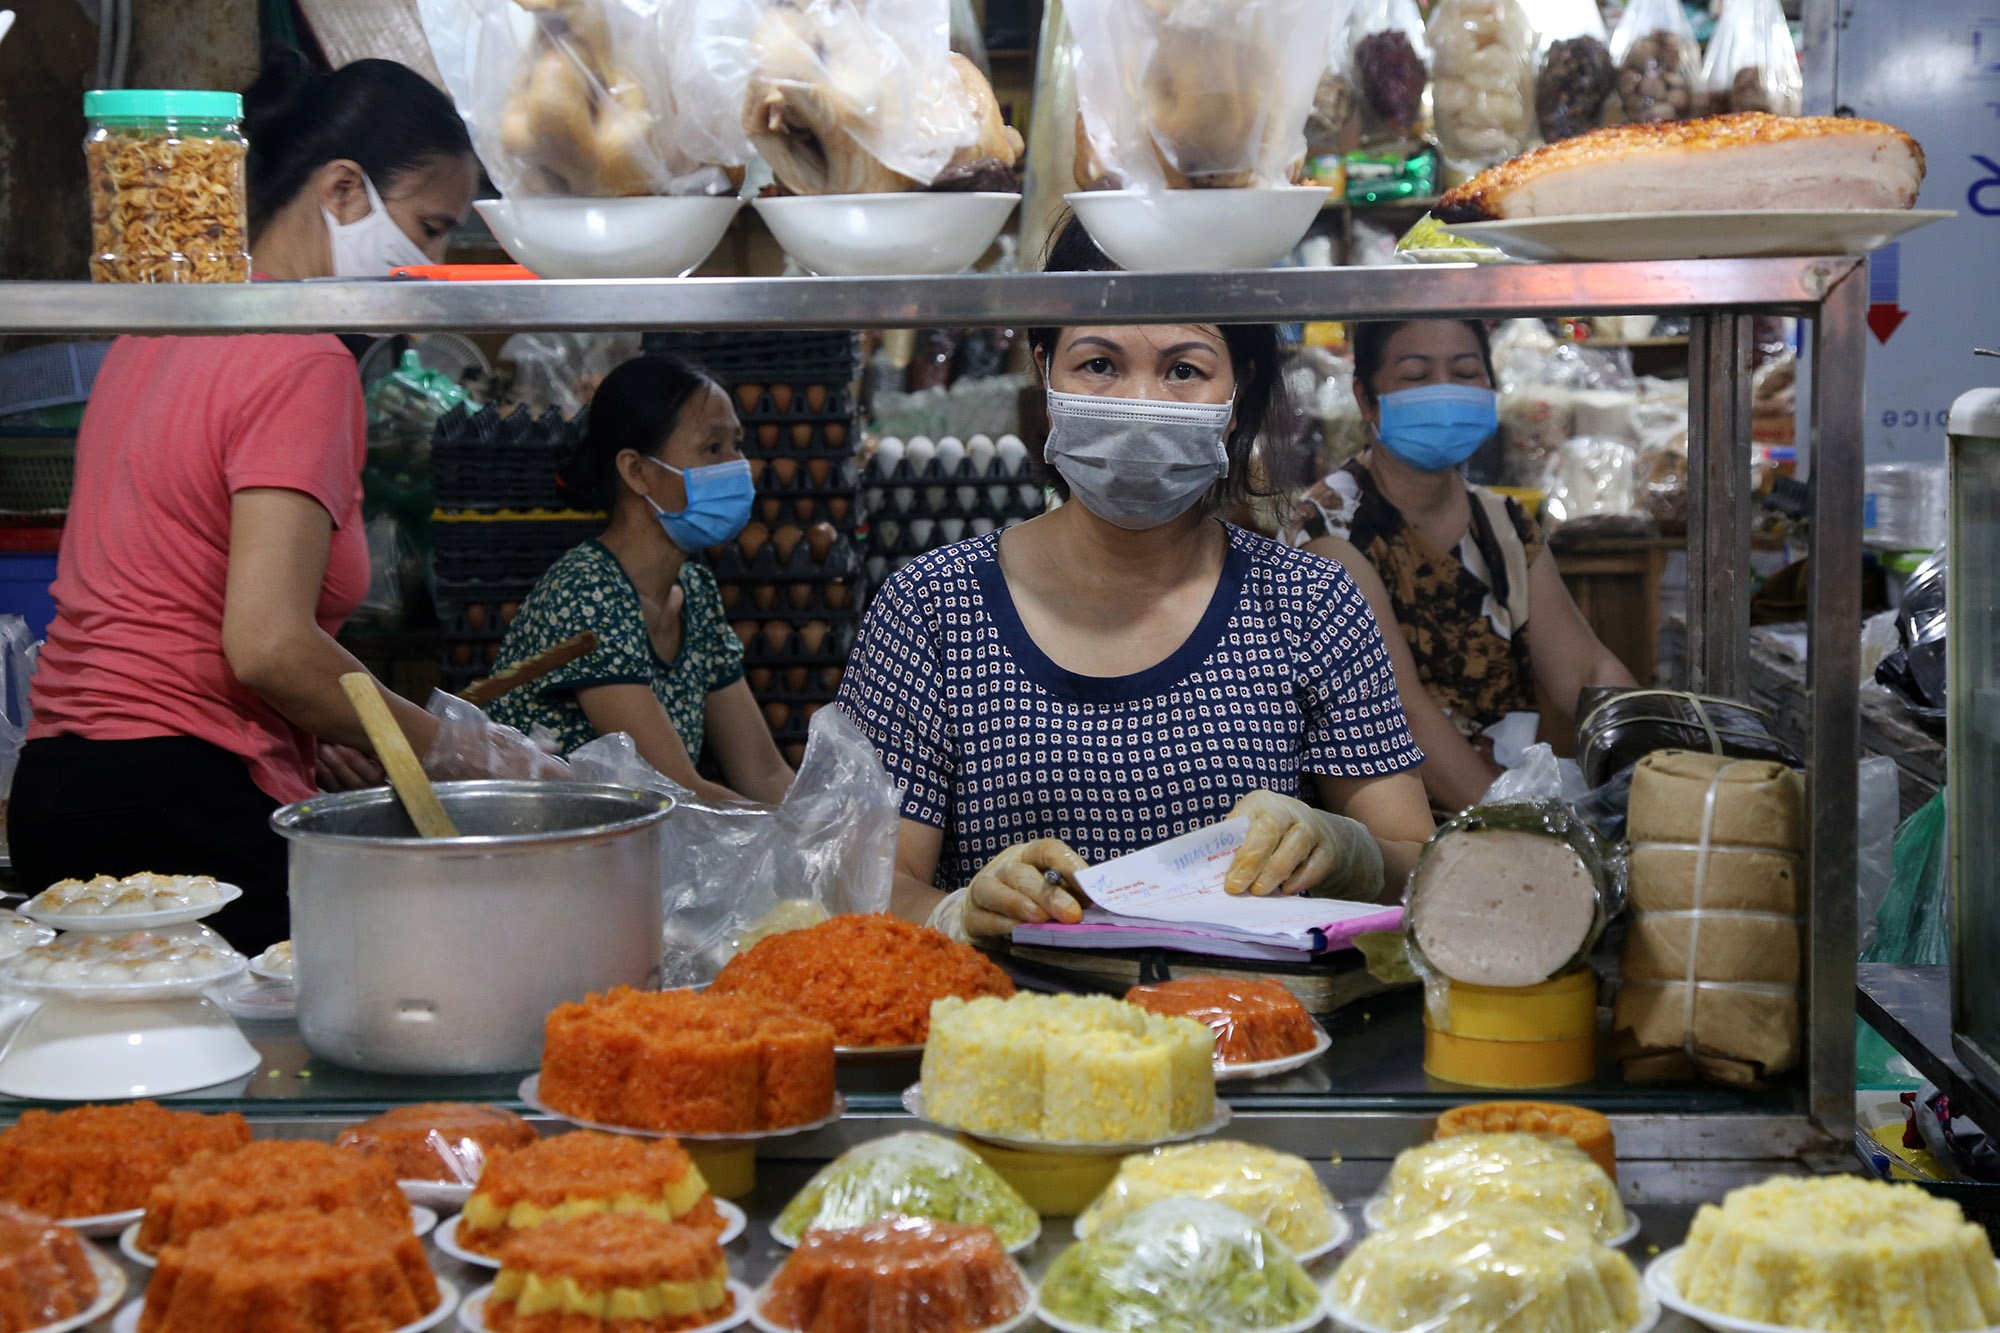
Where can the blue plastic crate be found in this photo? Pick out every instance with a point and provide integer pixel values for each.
(25, 577)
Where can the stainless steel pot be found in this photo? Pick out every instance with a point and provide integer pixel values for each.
(443, 956)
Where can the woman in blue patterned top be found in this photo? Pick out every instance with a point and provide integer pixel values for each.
(1128, 667)
(663, 455)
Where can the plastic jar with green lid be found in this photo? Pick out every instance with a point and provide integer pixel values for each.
(169, 201)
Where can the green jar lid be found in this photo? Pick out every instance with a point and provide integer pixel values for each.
(161, 104)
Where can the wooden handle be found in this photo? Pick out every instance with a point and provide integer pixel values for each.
(392, 747)
(484, 692)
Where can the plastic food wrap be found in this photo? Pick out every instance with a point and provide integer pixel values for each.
(1659, 62)
(1591, 477)
(1180, 1266)
(1277, 1190)
(468, 745)
(1574, 72)
(443, 1142)
(1588, 1129)
(1390, 60)
(1482, 82)
(1752, 64)
(138, 962)
(1617, 727)
(56, 1280)
(1552, 1177)
(908, 1175)
(1335, 99)
(1252, 1020)
(1190, 94)
(1488, 1271)
(895, 1275)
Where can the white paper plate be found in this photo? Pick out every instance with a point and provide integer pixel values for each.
(1062, 1325)
(1374, 1214)
(1716, 234)
(472, 1311)
(110, 1291)
(422, 1221)
(128, 1318)
(1019, 1247)
(446, 1236)
(1649, 1315)
(119, 923)
(913, 1102)
(764, 1325)
(531, 1093)
(1660, 1283)
(1284, 1064)
(436, 1194)
(104, 1226)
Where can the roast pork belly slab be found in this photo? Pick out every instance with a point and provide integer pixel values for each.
(1745, 161)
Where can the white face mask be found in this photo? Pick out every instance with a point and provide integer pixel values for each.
(372, 245)
(1138, 462)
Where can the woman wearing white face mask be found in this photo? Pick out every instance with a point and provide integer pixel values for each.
(1486, 625)
(1128, 667)
(215, 543)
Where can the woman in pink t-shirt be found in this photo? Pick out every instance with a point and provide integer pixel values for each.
(214, 542)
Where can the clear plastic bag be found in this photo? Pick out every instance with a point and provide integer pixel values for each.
(1189, 94)
(452, 1149)
(469, 746)
(1913, 925)
(18, 649)
(1180, 1266)
(829, 845)
(1274, 1189)
(562, 370)
(1574, 72)
(1389, 57)
(1659, 62)
(1551, 1175)
(1335, 99)
(1752, 64)
(1591, 477)
(1482, 83)
(962, 1267)
(908, 1175)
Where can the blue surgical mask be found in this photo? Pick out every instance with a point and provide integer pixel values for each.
(719, 497)
(1438, 426)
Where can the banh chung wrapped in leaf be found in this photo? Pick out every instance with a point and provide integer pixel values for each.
(908, 1175)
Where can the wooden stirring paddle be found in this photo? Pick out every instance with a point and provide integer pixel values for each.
(406, 775)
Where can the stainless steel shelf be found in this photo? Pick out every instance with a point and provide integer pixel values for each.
(1790, 286)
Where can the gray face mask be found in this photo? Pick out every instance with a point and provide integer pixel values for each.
(1138, 462)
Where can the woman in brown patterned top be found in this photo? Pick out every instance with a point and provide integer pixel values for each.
(1487, 626)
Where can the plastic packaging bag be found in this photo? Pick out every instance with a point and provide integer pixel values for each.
(18, 649)
(1549, 1175)
(1591, 477)
(1180, 1266)
(1752, 64)
(1335, 99)
(468, 745)
(828, 847)
(1274, 1189)
(1192, 94)
(908, 1175)
(1482, 82)
(1574, 72)
(1659, 62)
(1875, 854)
(1913, 925)
(1390, 60)
(562, 370)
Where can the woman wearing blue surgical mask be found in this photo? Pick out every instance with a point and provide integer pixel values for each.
(1486, 626)
(1128, 667)
(662, 455)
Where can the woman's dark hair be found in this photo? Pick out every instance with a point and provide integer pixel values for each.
(1262, 406)
(383, 115)
(1371, 347)
(636, 407)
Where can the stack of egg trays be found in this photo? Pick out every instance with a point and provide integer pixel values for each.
(792, 583)
(913, 509)
(501, 521)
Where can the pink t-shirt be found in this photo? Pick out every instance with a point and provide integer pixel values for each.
(175, 427)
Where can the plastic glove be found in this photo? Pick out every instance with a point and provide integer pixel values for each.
(468, 745)
(1292, 848)
(1017, 886)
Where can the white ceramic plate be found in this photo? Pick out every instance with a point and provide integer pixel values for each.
(110, 1291)
(118, 923)
(1718, 234)
(1660, 1283)
(1019, 1247)
(1284, 1064)
(1455, 254)
(913, 1102)
(98, 992)
(1649, 1315)
(756, 1308)
(1374, 1214)
(436, 1194)
(531, 1093)
(104, 1226)
(1067, 1326)
(472, 1311)
(446, 1236)
(263, 966)
(128, 1318)
(422, 1221)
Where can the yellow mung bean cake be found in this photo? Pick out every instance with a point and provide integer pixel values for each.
(1550, 1175)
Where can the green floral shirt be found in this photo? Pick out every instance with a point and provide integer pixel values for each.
(587, 589)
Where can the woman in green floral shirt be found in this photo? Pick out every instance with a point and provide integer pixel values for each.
(663, 456)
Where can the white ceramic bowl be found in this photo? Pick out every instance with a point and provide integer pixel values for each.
(610, 238)
(1180, 231)
(886, 235)
(84, 1052)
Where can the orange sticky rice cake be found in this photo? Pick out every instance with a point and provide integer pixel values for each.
(296, 1271)
(1252, 1020)
(469, 1132)
(268, 1176)
(45, 1274)
(92, 1160)
(686, 1063)
(580, 1174)
(905, 1274)
(609, 1273)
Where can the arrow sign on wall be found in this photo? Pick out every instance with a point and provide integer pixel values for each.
(1885, 282)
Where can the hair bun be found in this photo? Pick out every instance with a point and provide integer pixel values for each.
(279, 101)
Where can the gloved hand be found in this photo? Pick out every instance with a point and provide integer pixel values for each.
(1017, 886)
(468, 745)
(1293, 848)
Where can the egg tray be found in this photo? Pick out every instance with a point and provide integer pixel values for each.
(842, 564)
(797, 722)
(803, 440)
(804, 511)
(998, 501)
(841, 477)
(822, 683)
(788, 401)
(484, 459)
(934, 473)
(505, 550)
(833, 651)
(825, 356)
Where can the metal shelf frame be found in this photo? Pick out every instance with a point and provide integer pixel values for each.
(1719, 296)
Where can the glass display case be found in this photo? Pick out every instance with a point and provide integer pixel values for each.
(1972, 708)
